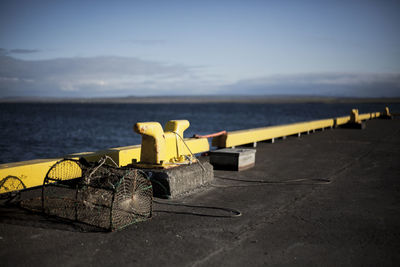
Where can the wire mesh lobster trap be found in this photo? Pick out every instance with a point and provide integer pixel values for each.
(99, 195)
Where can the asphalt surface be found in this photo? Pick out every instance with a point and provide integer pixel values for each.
(353, 220)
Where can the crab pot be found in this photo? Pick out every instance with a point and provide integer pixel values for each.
(105, 197)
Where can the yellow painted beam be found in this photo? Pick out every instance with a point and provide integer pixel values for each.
(342, 120)
(25, 174)
(125, 155)
(196, 145)
(237, 138)
(365, 116)
(242, 137)
(122, 156)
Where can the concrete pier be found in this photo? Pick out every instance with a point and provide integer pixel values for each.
(353, 220)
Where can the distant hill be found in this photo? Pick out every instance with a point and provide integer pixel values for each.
(200, 99)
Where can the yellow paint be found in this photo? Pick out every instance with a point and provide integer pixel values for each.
(342, 120)
(237, 138)
(125, 155)
(65, 170)
(354, 117)
(365, 116)
(165, 149)
(31, 173)
(196, 145)
(122, 156)
(177, 126)
(153, 142)
(386, 112)
(173, 134)
(94, 156)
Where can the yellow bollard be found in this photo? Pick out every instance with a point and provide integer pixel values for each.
(354, 117)
(386, 112)
(153, 149)
(166, 148)
(174, 135)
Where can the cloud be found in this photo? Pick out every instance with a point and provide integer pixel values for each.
(122, 76)
(328, 84)
(4, 51)
(94, 76)
(24, 51)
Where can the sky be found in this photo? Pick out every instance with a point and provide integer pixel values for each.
(147, 48)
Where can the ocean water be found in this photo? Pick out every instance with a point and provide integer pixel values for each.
(32, 131)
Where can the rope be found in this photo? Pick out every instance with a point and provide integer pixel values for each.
(201, 165)
(108, 157)
(210, 135)
(234, 212)
(315, 181)
(101, 162)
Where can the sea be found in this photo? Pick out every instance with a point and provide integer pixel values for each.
(46, 130)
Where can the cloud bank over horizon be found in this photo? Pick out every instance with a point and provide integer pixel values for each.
(341, 84)
(94, 76)
(111, 76)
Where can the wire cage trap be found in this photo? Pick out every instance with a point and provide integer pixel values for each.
(98, 195)
(10, 188)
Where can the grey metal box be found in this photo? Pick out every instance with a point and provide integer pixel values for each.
(234, 159)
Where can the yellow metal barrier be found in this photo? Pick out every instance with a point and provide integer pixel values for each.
(19, 175)
(366, 116)
(237, 138)
(242, 137)
(122, 156)
(342, 120)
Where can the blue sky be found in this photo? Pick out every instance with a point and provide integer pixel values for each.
(118, 48)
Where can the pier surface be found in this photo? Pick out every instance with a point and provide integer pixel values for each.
(353, 220)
